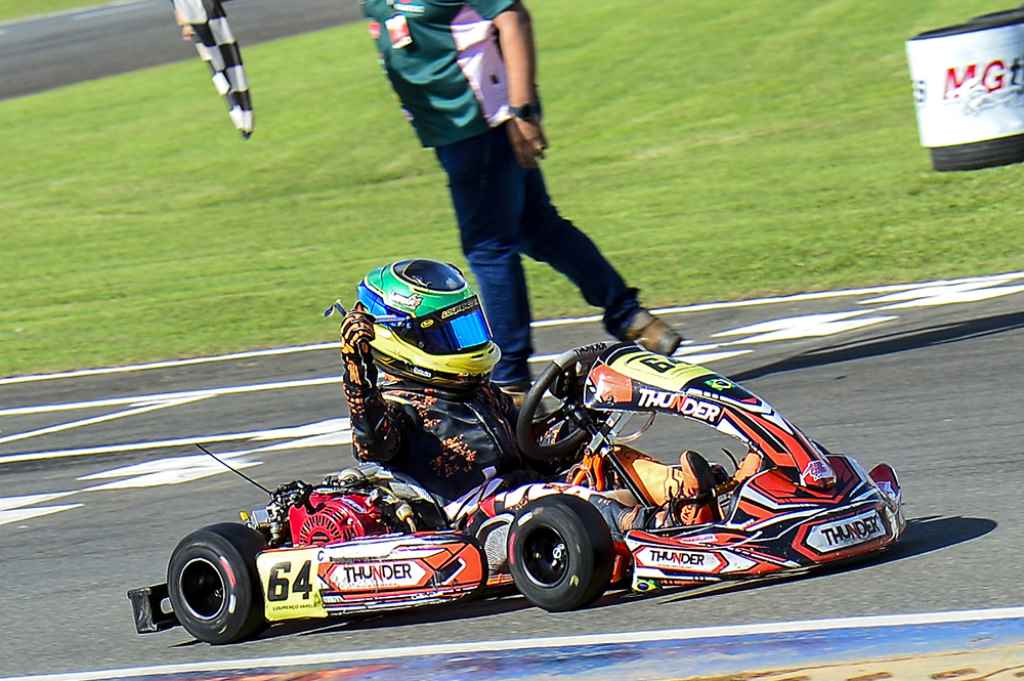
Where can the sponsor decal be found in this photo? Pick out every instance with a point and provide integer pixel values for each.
(697, 561)
(644, 585)
(997, 78)
(718, 384)
(818, 474)
(375, 575)
(841, 534)
(375, 29)
(660, 398)
(678, 558)
(459, 308)
(682, 404)
(411, 302)
(688, 581)
(426, 323)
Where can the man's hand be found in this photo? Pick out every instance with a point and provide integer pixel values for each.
(356, 331)
(186, 28)
(528, 141)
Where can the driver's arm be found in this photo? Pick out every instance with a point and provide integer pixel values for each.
(376, 424)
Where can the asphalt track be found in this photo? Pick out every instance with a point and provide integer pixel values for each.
(930, 382)
(48, 52)
(928, 379)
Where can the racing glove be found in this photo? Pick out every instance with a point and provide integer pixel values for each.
(376, 427)
(356, 355)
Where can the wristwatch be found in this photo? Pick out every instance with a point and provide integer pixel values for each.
(528, 112)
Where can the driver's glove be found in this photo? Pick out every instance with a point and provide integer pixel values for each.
(376, 434)
(357, 359)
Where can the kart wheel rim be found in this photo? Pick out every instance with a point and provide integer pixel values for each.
(201, 586)
(545, 557)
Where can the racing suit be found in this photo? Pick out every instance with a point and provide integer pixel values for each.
(458, 444)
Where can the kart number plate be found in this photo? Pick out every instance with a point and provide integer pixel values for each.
(291, 585)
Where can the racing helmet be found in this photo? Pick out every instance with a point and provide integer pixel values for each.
(430, 327)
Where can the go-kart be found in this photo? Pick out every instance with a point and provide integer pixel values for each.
(367, 539)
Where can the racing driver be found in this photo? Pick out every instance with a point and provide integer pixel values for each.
(417, 355)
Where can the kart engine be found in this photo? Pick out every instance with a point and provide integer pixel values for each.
(335, 518)
(357, 502)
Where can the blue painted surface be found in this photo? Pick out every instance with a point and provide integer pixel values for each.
(663, 660)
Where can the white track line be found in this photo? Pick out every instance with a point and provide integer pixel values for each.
(795, 298)
(169, 397)
(188, 396)
(546, 642)
(96, 419)
(567, 321)
(65, 13)
(103, 12)
(79, 373)
(293, 435)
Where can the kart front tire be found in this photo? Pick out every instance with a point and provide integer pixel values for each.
(560, 553)
(213, 583)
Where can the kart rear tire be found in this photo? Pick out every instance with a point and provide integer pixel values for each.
(560, 553)
(213, 584)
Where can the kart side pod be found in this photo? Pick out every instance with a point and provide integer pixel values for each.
(376, 573)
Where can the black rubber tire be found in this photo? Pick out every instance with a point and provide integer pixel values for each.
(211, 605)
(976, 155)
(585, 569)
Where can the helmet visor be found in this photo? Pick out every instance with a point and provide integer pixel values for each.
(454, 329)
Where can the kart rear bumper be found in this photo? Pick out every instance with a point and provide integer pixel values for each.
(148, 609)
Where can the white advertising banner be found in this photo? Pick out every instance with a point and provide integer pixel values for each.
(968, 87)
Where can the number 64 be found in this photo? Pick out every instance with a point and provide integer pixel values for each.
(279, 586)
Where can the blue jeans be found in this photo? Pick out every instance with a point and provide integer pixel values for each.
(504, 210)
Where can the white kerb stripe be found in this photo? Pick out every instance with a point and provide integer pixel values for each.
(547, 642)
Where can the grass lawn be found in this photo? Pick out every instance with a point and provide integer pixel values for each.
(713, 150)
(11, 10)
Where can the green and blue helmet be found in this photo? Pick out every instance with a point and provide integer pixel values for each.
(432, 327)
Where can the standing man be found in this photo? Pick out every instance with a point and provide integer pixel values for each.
(465, 72)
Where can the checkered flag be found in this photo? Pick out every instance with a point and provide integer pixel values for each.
(217, 46)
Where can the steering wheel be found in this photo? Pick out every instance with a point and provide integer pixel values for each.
(563, 380)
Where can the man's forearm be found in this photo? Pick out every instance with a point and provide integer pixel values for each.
(515, 35)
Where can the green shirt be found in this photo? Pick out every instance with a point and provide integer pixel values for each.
(451, 79)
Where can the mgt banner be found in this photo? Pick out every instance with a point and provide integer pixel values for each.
(968, 84)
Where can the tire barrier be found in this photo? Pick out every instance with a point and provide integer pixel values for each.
(969, 91)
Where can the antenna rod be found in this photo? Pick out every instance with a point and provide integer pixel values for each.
(233, 470)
